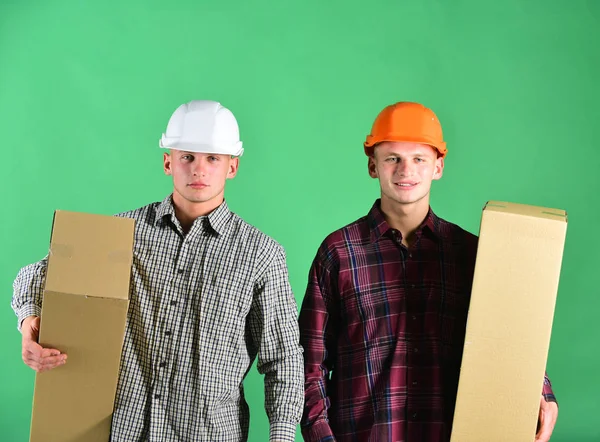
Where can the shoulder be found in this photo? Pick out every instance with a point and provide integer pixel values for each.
(145, 213)
(457, 237)
(251, 236)
(354, 234)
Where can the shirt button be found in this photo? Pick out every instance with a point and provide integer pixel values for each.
(415, 415)
(416, 350)
(412, 286)
(157, 396)
(414, 383)
(414, 317)
(410, 255)
(180, 271)
(173, 302)
(162, 364)
(168, 333)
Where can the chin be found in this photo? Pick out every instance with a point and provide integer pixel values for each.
(196, 198)
(404, 199)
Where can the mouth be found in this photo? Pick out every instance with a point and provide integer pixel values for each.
(198, 186)
(407, 185)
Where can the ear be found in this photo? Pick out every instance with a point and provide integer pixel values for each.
(167, 164)
(234, 164)
(438, 171)
(372, 167)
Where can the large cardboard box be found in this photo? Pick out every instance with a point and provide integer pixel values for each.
(84, 312)
(509, 324)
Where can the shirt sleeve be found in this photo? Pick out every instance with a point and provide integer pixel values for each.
(318, 338)
(274, 330)
(547, 390)
(28, 289)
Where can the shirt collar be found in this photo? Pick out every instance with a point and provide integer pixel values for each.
(378, 226)
(217, 220)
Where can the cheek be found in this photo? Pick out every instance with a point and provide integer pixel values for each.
(224, 171)
(216, 172)
(427, 170)
(383, 169)
(180, 171)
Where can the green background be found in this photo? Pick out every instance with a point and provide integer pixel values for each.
(86, 89)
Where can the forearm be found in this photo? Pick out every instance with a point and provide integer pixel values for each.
(28, 291)
(275, 333)
(318, 431)
(318, 339)
(315, 419)
(284, 397)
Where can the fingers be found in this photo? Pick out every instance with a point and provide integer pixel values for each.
(41, 364)
(52, 362)
(41, 359)
(48, 352)
(34, 355)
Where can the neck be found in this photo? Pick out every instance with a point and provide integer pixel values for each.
(187, 212)
(406, 218)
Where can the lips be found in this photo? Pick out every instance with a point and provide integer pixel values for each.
(406, 184)
(198, 185)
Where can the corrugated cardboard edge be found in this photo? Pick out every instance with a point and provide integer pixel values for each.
(128, 300)
(525, 210)
(549, 214)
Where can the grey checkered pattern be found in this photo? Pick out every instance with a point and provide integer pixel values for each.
(203, 306)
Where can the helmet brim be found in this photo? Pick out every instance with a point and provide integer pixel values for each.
(235, 150)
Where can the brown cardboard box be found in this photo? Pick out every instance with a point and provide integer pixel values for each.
(510, 321)
(84, 311)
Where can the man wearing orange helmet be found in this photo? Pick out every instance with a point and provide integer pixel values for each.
(383, 320)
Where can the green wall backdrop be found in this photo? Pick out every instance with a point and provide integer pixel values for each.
(86, 89)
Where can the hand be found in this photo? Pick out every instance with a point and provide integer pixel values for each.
(34, 356)
(547, 420)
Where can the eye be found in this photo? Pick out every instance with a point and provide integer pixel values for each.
(187, 157)
(213, 158)
(391, 160)
(419, 159)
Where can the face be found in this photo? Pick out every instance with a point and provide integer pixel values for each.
(405, 171)
(199, 178)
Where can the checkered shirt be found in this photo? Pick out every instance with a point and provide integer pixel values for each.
(203, 306)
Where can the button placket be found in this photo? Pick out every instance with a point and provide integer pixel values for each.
(166, 328)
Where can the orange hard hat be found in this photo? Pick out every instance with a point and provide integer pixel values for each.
(406, 121)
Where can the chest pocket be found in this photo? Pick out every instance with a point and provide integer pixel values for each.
(223, 305)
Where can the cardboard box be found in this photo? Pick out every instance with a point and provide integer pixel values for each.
(510, 321)
(86, 298)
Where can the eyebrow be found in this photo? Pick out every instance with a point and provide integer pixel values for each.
(416, 154)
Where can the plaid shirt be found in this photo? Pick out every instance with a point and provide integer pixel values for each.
(383, 329)
(203, 305)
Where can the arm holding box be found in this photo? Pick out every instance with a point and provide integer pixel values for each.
(548, 412)
(27, 304)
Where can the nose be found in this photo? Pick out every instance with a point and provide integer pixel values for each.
(403, 168)
(199, 166)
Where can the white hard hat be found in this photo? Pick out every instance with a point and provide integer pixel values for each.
(203, 126)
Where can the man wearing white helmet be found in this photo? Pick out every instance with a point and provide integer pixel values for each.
(209, 293)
